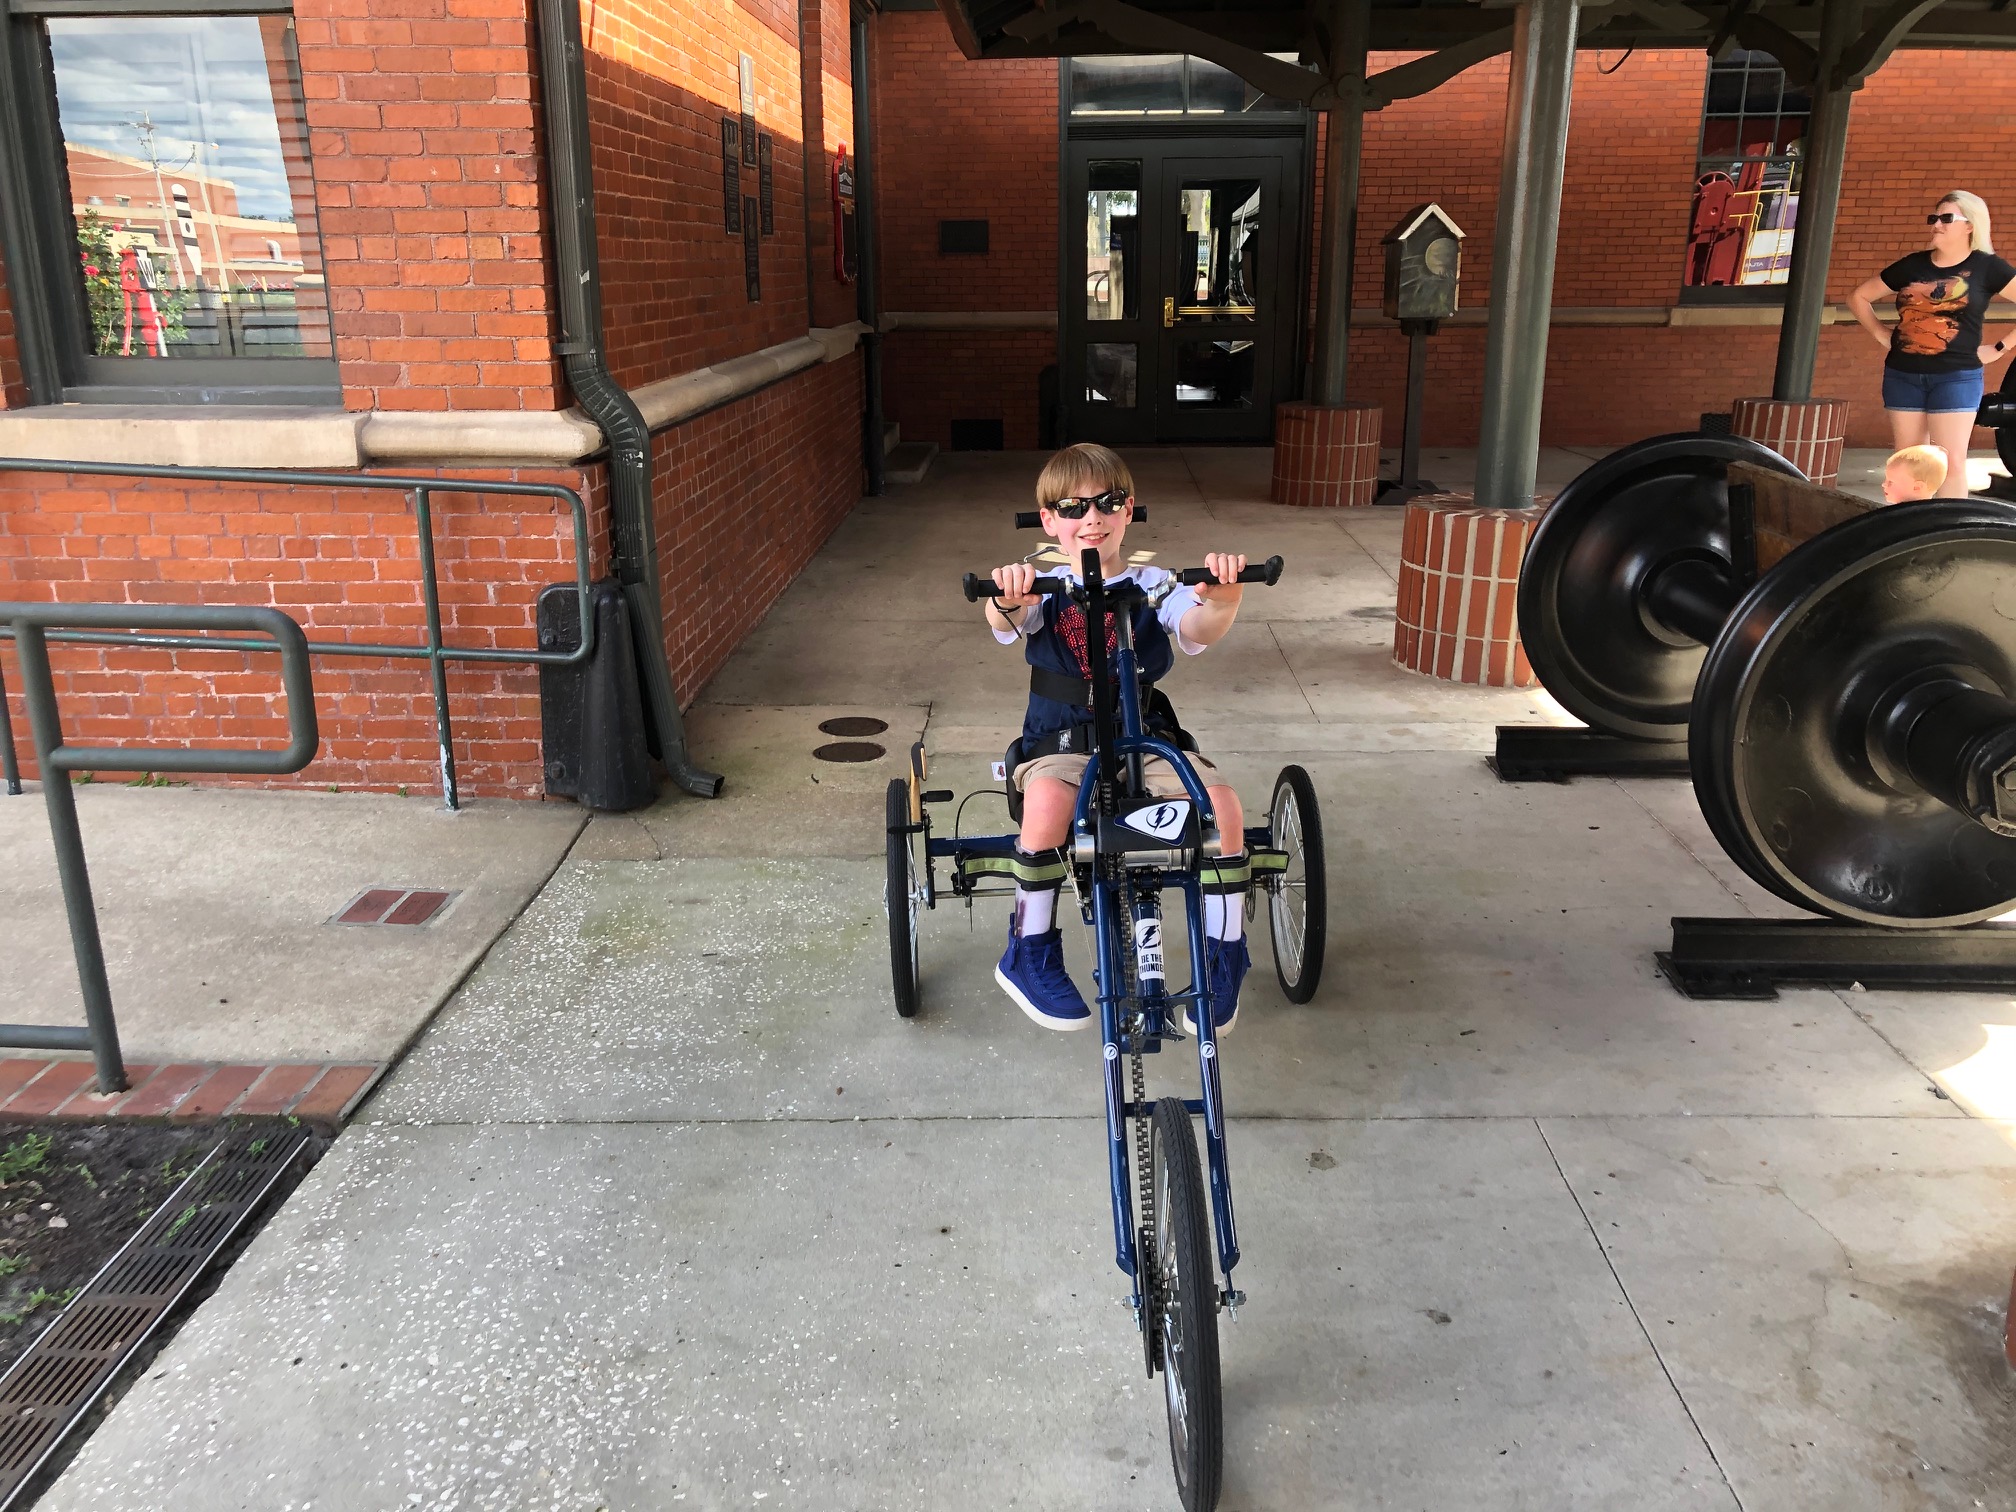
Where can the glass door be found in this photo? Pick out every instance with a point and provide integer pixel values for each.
(1180, 270)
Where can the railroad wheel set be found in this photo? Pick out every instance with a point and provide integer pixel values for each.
(1846, 714)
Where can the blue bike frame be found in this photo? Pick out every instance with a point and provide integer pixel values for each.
(1110, 921)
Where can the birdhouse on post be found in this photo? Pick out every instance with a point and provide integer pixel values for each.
(1424, 256)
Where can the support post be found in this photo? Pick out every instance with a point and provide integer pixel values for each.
(1819, 200)
(1350, 34)
(1522, 270)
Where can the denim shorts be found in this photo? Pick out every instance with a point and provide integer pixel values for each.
(1932, 393)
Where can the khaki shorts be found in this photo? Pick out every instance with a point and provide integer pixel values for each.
(1069, 768)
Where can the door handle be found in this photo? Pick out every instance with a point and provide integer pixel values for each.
(1169, 311)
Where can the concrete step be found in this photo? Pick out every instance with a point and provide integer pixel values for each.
(892, 436)
(909, 461)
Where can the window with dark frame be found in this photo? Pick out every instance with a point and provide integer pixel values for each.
(170, 203)
(1747, 176)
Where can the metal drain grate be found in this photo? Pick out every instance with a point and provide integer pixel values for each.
(849, 750)
(853, 726)
(394, 905)
(50, 1389)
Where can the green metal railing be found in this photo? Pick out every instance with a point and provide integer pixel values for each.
(434, 652)
(32, 627)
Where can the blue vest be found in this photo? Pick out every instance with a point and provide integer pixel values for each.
(1154, 651)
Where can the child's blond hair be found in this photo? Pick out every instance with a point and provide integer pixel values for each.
(1925, 464)
(1079, 471)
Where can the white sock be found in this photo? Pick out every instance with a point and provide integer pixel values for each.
(1225, 914)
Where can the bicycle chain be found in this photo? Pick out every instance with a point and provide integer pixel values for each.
(1145, 1258)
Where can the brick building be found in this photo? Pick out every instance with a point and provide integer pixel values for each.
(391, 300)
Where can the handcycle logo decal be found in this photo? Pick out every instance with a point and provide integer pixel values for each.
(1164, 821)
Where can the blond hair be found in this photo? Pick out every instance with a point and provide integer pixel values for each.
(1080, 470)
(1925, 464)
(1976, 210)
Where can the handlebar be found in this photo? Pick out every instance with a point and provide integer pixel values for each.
(1267, 572)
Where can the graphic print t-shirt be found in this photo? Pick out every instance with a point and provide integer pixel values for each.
(1940, 310)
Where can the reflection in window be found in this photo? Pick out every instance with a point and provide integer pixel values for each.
(1217, 249)
(194, 208)
(1747, 176)
(1112, 240)
(1166, 84)
(1109, 373)
(1215, 374)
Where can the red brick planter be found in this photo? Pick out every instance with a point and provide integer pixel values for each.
(1326, 456)
(1457, 615)
(1808, 433)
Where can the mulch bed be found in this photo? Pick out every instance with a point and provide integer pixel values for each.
(72, 1194)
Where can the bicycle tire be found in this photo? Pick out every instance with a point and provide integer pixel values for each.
(1183, 1294)
(900, 898)
(1297, 904)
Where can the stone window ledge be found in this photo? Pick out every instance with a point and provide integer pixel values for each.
(333, 440)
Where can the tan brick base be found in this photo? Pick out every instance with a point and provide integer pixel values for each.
(1326, 456)
(1808, 433)
(1457, 617)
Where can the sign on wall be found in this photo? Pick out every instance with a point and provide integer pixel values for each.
(731, 176)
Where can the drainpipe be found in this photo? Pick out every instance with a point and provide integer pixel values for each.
(578, 273)
(864, 241)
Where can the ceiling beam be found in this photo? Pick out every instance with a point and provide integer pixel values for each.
(1872, 49)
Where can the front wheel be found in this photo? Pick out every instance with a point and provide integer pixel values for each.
(1297, 901)
(901, 899)
(1182, 1300)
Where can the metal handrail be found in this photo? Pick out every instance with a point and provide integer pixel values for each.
(434, 652)
(31, 626)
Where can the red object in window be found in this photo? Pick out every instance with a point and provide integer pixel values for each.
(844, 257)
(1714, 244)
(139, 299)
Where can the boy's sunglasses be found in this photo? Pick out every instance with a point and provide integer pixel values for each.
(1943, 218)
(1110, 502)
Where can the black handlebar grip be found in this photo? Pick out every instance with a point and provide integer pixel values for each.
(978, 587)
(1268, 572)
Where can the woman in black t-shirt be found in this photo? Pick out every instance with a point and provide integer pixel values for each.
(1932, 370)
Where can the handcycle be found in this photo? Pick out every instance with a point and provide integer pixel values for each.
(1127, 847)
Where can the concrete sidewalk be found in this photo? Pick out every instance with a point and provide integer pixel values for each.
(669, 1208)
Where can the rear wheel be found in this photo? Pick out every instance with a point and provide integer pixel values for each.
(901, 899)
(1297, 901)
(1182, 1301)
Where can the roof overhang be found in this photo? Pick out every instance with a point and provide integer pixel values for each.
(1239, 34)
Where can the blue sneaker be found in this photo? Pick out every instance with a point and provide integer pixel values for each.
(1032, 972)
(1225, 963)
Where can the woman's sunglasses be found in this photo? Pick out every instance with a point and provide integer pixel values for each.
(1110, 502)
(1943, 218)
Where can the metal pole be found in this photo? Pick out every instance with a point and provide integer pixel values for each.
(437, 668)
(868, 252)
(1351, 29)
(1819, 201)
(1522, 269)
(39, 692)
(1417, 384)
(10, 767)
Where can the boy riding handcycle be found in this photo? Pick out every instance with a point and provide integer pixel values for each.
(1112, 797)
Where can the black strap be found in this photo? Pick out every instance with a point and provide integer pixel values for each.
(1077, 691)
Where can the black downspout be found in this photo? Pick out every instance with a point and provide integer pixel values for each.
(866, 290)
(578, 274)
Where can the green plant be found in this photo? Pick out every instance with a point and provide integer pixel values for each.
(148, 779)
(181, 1221)
(84, 1175)
(26, 1154)
(34, 1300)
(11, 1263)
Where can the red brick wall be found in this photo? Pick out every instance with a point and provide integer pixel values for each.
(957, 140)
(931, 378)
(421, 124)
(745, 497)
(345, 564)
(826, 68)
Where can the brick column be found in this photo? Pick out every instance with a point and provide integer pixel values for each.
(1325, 455)
(1808, 433)
(1457, 615)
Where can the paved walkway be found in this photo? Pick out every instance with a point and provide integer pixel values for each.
(669, 1209)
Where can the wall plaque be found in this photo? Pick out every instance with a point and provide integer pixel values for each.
(752, 248)
(731, 176)
(765, 185)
